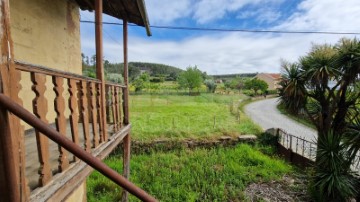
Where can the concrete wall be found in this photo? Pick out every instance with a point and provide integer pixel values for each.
(46, 33)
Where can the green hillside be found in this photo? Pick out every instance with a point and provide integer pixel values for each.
(114, 70)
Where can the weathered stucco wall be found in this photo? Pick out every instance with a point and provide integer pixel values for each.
(78, 195)
(46, 33)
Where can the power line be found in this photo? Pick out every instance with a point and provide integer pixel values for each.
(232, 30)
(106, 33)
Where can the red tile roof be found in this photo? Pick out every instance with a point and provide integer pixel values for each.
(275, 76)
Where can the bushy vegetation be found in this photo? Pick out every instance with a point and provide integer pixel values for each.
(256, 85)
(179, 117)
(190, 79)
(324, 85)
(219, 174)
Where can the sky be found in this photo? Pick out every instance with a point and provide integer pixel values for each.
(227, 52)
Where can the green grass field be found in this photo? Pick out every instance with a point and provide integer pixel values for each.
(219, 174)
(179, 117)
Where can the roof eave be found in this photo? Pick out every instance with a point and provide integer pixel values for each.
(142, 9)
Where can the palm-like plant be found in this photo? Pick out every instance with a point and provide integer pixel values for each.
(292, 89)
(331, 108)
(334, 182)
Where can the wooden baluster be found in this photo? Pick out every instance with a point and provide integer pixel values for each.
(60, 120)
(98, 107)
(108, 103)
(74, 114)
(94, 117)
(40, 109)
(113, 109)
(121, 104)
(116, 112)
(85, 115)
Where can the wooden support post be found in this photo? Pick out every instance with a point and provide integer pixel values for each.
(126, 74)
(13, 185)
(127, 139)
(99, 63)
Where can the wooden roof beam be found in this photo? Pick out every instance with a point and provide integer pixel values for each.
(142, 9)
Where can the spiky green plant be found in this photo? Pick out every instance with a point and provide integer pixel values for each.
(333, 178)
(324, 84)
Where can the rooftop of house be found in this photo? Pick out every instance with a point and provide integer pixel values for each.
(275, 76)
(133, 11)
(272, 75)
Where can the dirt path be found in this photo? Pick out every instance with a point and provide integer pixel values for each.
(265, 113)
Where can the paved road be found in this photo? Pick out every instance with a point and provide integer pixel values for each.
(265, 113)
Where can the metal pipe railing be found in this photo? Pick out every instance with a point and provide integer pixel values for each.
(92, 161)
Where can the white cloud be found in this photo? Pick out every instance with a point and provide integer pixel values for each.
(332, 15)
(243, 52)
(202, 11)
(165, 11)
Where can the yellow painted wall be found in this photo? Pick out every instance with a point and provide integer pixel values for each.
(46, 33)
(78, 195)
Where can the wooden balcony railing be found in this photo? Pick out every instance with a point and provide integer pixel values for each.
(49, 132)
(76, 110)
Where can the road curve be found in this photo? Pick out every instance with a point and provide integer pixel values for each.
(265, 114)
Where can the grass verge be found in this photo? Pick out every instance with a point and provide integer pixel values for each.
(219, 174)
(299, 119)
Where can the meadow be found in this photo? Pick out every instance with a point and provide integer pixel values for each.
(183, 174)
(180, 116)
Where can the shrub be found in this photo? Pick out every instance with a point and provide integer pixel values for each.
(333, 178)
(249, 92)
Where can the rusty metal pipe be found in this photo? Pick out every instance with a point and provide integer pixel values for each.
(73, 148)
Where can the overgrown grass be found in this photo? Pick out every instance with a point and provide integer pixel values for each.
(219, 174)
(299, 119)
(179, 117)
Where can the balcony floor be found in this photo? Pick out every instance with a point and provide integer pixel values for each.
(31, 154)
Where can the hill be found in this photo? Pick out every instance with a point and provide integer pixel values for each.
(135, 69)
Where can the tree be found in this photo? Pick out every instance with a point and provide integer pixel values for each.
(141, 82)
(324, 85)
(190, 79)
(237, 83)
(255, 85)
(210, 85)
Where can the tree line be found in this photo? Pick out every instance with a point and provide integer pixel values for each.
(114, 71)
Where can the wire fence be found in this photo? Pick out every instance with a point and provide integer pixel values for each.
(307, 148)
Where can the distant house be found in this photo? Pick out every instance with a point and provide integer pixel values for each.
(272, 79)
(218, 81)
(144, 70)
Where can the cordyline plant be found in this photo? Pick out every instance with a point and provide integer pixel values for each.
(325, 85)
